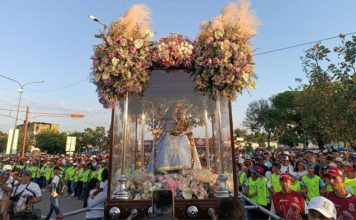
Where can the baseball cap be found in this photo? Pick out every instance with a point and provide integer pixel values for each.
(338, 159)
(259, 169)
(240, 160)
(284, 176)
(252, 170)
(333, 171)
(349, 168)
(310, 166)
(323, 205)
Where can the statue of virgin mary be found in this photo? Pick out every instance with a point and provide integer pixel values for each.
(175, 148)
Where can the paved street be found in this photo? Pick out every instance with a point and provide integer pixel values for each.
(66, 204)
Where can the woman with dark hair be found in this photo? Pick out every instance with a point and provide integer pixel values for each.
(94, 198)
(231, 208)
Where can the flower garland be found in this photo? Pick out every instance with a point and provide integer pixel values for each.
(221, 60)
(173, 52)
(224, 64)
(121, 63)
(189, 185)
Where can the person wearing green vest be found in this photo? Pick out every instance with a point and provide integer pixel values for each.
(74, 179)
(93, 173)
(79, 176)
(48, 172)
(251, 185)
(85, 179)
(350, 179)
(262, 192)
(295, 184)
(35, 173)
(274, 185)
(241, 177)
(100, 170)
(312, 185)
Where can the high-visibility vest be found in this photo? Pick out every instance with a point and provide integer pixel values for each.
(312, 185)
(100, 171)
(85, 175)
(48, 173)
(276, 185)
(252, 189)
(242, 178)
(350, 183)
(262, 191)
(296, 187)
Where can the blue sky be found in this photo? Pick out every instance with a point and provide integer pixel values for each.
(52, 41)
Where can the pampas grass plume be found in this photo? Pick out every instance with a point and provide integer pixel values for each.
(137, 19)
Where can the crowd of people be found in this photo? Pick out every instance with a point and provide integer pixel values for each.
(292, 184)
(23, 180)
(289, 183)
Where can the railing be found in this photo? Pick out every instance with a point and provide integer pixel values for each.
(133, 212)
(79, 211)
(261, 208)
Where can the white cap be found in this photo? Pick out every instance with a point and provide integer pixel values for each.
(240, 160)
(247, 157)
(332, 164)
(338, 159)
(324, 206)
(7, 167)
(75, 164)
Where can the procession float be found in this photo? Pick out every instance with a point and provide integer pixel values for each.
(171, 122)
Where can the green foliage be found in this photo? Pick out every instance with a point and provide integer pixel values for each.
(257, 118)
(97, 137)
(328, 101)
(3, 141)
(51, 141)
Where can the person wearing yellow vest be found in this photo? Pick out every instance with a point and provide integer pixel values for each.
(262, 192)
(312, 185)
(79, 176)
(273, 184)
(251, 189)
(73, 176)
(85, 179)
(350, 179)
(241, 176)
(48, 173)
(295, 184)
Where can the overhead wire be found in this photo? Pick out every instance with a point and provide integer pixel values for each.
(302, 44)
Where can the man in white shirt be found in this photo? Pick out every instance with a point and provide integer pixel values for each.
(286, 167)
(54, 198)
(28, 193)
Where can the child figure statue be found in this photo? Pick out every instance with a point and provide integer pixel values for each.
(175, 148)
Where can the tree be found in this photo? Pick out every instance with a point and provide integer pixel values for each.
(328, 101)
(238, 132)
(51, 141)
(3, 141)
(285, 117)
(257, 118)
(97, 137)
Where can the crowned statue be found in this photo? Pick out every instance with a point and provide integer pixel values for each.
(175, 149)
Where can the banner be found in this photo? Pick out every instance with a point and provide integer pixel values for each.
(15, 141)
(70, 145)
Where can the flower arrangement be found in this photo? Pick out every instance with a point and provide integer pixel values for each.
(223, 64)
(172, 52)
(220, 59)
(184, 186)
(121, 62)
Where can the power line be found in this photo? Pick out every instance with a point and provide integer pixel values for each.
(302, 44)
(60, 88)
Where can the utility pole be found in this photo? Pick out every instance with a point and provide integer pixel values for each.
(23, 149)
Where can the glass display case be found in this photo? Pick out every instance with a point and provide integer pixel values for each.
(170, 138)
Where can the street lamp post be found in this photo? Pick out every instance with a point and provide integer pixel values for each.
(20, 90)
